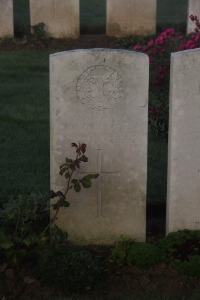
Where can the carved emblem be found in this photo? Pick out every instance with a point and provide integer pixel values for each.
(99, 87)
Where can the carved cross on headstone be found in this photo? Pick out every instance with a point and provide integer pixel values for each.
(99, 180)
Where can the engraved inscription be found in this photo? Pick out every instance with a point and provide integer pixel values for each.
(99, 87)
(99, 180)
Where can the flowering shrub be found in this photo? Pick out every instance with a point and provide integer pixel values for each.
(159, 51)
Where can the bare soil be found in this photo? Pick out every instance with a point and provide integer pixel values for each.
(118, 283)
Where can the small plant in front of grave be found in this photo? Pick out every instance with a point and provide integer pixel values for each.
(38, 36)
(39, 31)
(68, 170)
(22, 220)
(128, 251)
(143, 255)
(182, 250)
(120, 251)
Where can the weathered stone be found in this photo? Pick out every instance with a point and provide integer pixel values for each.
(193, 9)
(131, 17)
(61, 17)
(183, 199)
(6, 18)
(100, 97)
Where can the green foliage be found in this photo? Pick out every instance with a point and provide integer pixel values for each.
(182, 250)
(120, 251)
(22, 220)
(69, 270)
(39, 32)
(143, 255)
(67, 169)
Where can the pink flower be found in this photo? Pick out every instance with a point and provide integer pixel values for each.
(137, 47)
(154, 51)
(160, 40)
(150, 43)
(198, 24)
(192, 18)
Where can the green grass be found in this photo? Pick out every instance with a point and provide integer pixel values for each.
(24, 119)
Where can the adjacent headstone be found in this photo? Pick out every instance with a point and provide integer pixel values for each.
(100, 97)
(193, 9)
(6, 18)
(131, 17)
(183, 197)
(61, 17)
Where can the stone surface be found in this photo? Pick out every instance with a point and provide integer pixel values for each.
(131, 17)
(183, 199)
(6, 18)
(61, 17)
(100, 97)
(193, 9)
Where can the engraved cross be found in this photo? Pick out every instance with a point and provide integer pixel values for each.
(99, 180)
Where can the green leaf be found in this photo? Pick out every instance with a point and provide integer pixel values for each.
(63, 165)
(67, 175)
(83, 158)
(63, 170)
(77, 186)
(6, 244)
(90, 176)
(65, 203)
(86, 180)
(68, 160)
(56, 205)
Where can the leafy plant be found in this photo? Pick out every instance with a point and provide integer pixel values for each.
(22, 220)
(39, 31)
(127, 251)
(143, 255)
(182, 250)
(120, 251)
(25, 220)
(68, 169)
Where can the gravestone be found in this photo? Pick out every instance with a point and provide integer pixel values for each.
(183, 197)
(100, 97)
(193, 9)
(131, 17)
(6, 18)
(61, 17)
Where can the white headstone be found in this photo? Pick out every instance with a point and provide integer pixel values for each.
(100, 97)
(183, 199)
(6, 18)
(61, 17)
(125, 17)
(193, 9)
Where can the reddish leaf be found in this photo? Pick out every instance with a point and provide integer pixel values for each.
(83, 148)
(74, 145)
(77, 163)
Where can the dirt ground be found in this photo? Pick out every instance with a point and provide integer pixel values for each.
(119, 281)
(84, 42)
